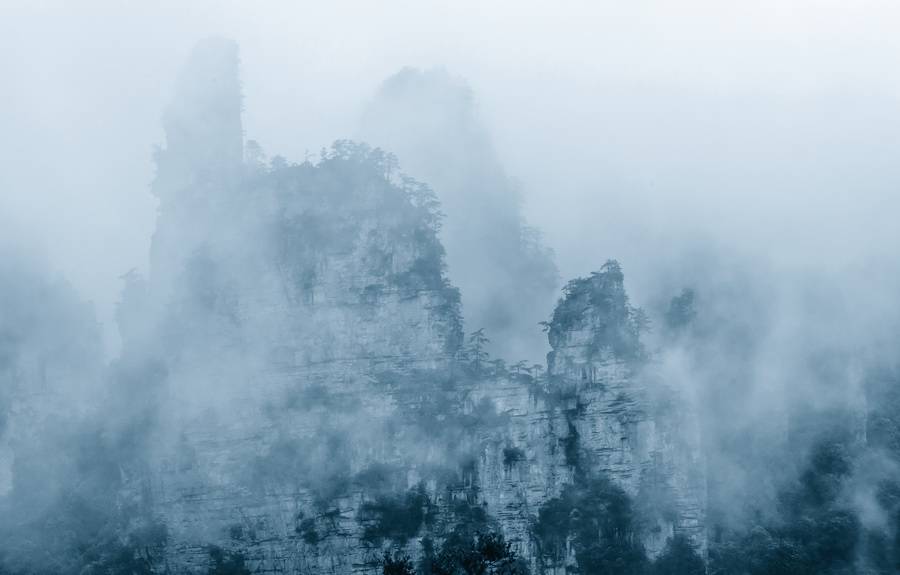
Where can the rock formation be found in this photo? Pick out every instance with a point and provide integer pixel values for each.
(316, 403)
(295, 394)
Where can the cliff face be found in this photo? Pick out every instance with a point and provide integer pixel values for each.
(309, 401)
(282, 304)
(628, 423)
(279, 388)
(600, 412)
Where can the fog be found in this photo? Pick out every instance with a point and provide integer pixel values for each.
(746, 153)
(769, 127)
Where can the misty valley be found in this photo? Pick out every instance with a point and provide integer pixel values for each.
(367, 362)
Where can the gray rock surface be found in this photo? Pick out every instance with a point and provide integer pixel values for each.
(318, 404)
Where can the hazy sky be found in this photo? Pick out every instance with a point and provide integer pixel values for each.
(770, 126)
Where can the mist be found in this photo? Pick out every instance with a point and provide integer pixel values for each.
(285, 248)
(773, 113)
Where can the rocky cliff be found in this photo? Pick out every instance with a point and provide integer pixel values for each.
(297, 394)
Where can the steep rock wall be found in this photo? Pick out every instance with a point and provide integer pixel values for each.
(312, 404)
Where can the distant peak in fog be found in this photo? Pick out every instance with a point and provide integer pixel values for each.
(203, 124)
(506, 274)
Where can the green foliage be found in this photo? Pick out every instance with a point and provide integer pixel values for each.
(224, 562)
(679, 558)
(601, 304)
(396, 517)
(498, 367)
(759, 552)
(572, 446)
(470, 517)
(136, 549)
(54, 526)
(355, 200)
(307, 531)
(396, 564)
(481, 554)
(883, 544)
(475, 351)
(599, 518)
(883, 418)
(512, 456)
(519, 366)
(314, 529)
(817, 532)
(681, 310)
